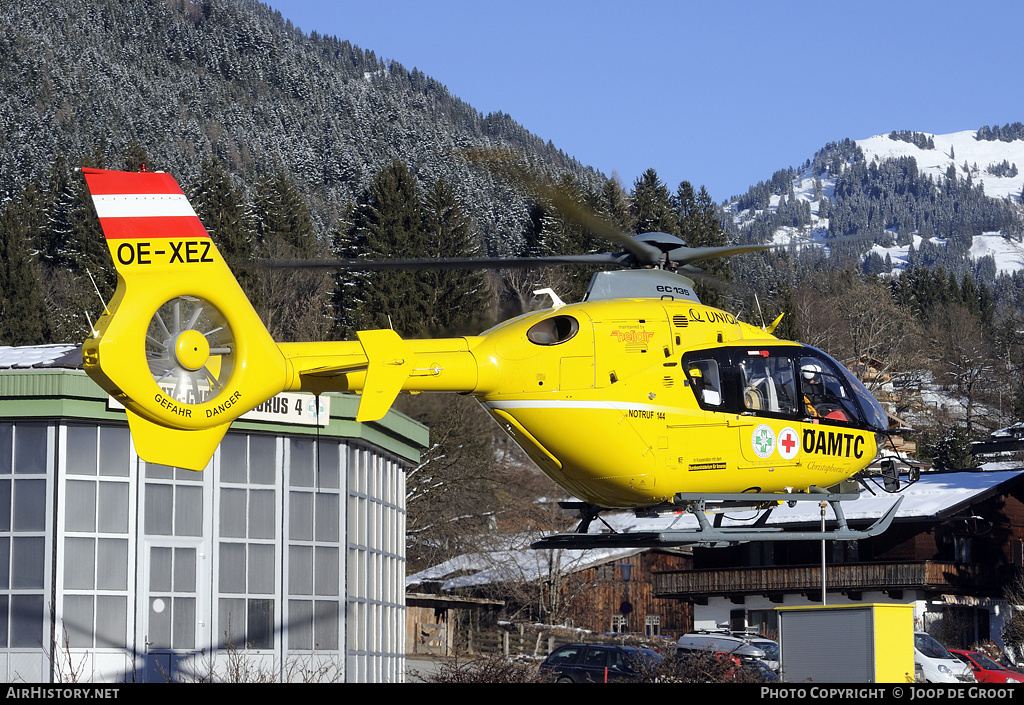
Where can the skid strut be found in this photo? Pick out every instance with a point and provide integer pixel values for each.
(713, 534)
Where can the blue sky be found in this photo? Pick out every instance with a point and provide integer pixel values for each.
(715, 93)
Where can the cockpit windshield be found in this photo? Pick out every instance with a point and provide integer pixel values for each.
(873, 413)
(782, 381)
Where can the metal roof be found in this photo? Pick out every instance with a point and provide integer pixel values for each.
(60, 355)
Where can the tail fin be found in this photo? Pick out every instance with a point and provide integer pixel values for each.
(180, 345)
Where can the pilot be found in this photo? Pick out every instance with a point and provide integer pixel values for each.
(817, 396)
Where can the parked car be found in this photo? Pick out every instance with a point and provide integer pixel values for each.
(761, 671)
(937, 664)
(768, 646)
(986, 669)
(598, 663)
(720, 642)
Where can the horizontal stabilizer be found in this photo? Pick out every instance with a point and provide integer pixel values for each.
(389, 362)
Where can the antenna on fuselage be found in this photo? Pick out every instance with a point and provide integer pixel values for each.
(97, 290)
(760, 314)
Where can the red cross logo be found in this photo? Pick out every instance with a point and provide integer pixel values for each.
(789, 443)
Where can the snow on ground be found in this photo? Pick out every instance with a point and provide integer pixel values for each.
(1008, 254)
(959, 148)
(956, 148)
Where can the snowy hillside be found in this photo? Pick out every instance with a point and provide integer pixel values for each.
(957, 149)
(997, 166)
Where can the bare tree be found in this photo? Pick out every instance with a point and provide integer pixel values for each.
(962, 359)
(486, 669)
(856, 320)
(536, 585)
(294, 305)
(471, 482)
(518, 285)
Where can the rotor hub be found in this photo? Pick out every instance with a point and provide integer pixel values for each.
(191, 350)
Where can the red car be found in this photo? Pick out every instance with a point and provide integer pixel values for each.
(985, 669)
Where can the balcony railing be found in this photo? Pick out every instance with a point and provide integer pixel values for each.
(925, 575)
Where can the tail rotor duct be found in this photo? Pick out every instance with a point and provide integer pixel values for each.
(190, 349)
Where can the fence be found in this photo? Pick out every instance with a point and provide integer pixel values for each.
(535, 641)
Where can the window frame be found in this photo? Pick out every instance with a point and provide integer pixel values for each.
(730, 368)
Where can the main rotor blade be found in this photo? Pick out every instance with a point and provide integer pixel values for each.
(617, 259)
(685, 255)
(505, 163)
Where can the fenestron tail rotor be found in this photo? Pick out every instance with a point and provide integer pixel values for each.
(190, 349)
(179, 345)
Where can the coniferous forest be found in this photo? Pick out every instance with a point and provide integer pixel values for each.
(301, 146)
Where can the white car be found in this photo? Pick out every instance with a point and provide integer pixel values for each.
(937, 664)
(770, 648)
(719, 642)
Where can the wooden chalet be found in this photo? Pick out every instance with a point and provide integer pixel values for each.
(598, 590)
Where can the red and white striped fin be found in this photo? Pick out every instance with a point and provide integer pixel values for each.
(143, 205)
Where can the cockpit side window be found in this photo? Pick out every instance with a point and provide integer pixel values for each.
(823, 394)
(706, 381)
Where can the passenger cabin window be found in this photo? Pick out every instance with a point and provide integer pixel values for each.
(706, 381)
(554, 330)
(768, 384)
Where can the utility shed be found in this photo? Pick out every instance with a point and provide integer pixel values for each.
(287, 553)
(868, 643)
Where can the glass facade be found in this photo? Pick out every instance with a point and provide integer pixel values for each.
(25, 513)
(376, 565)
(287, 547)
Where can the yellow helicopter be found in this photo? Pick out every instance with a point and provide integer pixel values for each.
(639, 397)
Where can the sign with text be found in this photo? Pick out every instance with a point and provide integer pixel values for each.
(286, 407)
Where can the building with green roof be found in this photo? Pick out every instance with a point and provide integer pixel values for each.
(287, 551)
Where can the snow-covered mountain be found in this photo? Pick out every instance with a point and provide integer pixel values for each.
(957, 149)
(960, 149)
(993, 165)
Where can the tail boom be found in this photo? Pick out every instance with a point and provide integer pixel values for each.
(380, 365)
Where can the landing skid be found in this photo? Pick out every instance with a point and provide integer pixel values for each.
(711, 534)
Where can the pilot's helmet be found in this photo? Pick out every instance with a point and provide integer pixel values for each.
(696, 373)
(811, 371)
